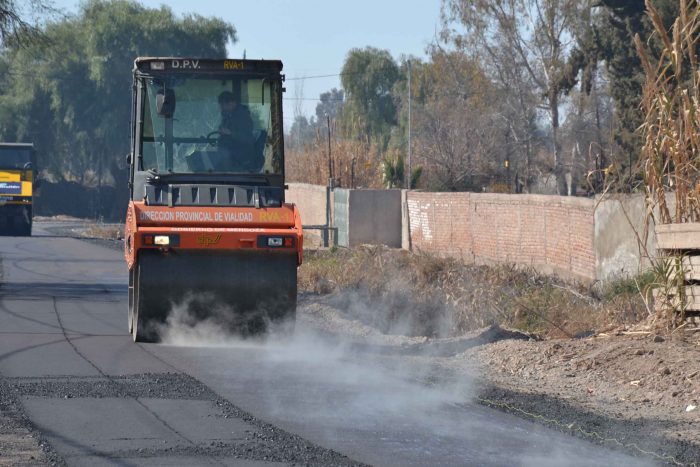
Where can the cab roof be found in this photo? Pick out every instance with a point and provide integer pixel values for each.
(206, 65)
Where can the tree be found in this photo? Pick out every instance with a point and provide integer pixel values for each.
(71, 95)
(330, 105)
(586, 131)
(456, 133)
(620, 21)
(539, 35)
(19, 24)
(302, 132)
(368, 77)
(518, 114)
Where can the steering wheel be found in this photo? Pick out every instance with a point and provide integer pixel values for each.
(210, 138)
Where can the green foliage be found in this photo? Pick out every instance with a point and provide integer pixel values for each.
(615, 31)
(393, 171)
(416, 173)
(71, 96)
(368, 78)
(629, 285)
(330, 105)
(19, 21)
(302, 132)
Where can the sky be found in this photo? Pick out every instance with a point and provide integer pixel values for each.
(312, 37)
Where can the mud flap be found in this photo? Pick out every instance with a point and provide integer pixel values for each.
(243, 291)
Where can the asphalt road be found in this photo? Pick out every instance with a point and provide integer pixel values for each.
(100, 399)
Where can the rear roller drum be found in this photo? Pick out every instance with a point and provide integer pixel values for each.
(243, 292)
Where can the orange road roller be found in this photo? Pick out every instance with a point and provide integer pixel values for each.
(207, 228)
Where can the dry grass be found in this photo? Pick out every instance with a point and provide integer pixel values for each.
(425, 295)
(103, 231)
(356, 164)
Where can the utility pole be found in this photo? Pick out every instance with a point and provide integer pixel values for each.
(329, 189)
(330, 159)
(408, 172)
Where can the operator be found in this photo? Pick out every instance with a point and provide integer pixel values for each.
(236, 130)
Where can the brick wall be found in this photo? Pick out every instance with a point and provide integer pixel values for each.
(576, 238)
(550, 233)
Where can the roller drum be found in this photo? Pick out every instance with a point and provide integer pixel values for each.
(242, 291)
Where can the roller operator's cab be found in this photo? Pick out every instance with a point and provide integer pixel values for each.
(207, 226)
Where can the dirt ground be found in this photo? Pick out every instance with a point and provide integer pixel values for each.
(635, 390)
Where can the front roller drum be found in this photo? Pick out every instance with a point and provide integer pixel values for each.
(243, 292)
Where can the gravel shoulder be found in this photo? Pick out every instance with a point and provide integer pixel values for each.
(20, 444)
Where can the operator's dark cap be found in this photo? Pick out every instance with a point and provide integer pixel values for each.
(225, 97)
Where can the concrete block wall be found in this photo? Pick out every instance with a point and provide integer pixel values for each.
(621, 225)
(364, 216)
(311, 201)
(550, 233)
(368, 217)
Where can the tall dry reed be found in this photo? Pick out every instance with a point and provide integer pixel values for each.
(671, 103)
(671, 142)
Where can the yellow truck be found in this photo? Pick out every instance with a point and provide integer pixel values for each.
(17, 183)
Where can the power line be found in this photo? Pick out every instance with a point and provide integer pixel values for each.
(341, 74)
(313, 77)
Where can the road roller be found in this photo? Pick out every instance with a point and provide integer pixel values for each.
(208, 232)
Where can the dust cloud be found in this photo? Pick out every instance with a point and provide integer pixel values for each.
(373, 378)
(348, 384)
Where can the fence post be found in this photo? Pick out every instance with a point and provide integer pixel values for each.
(329, 214)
